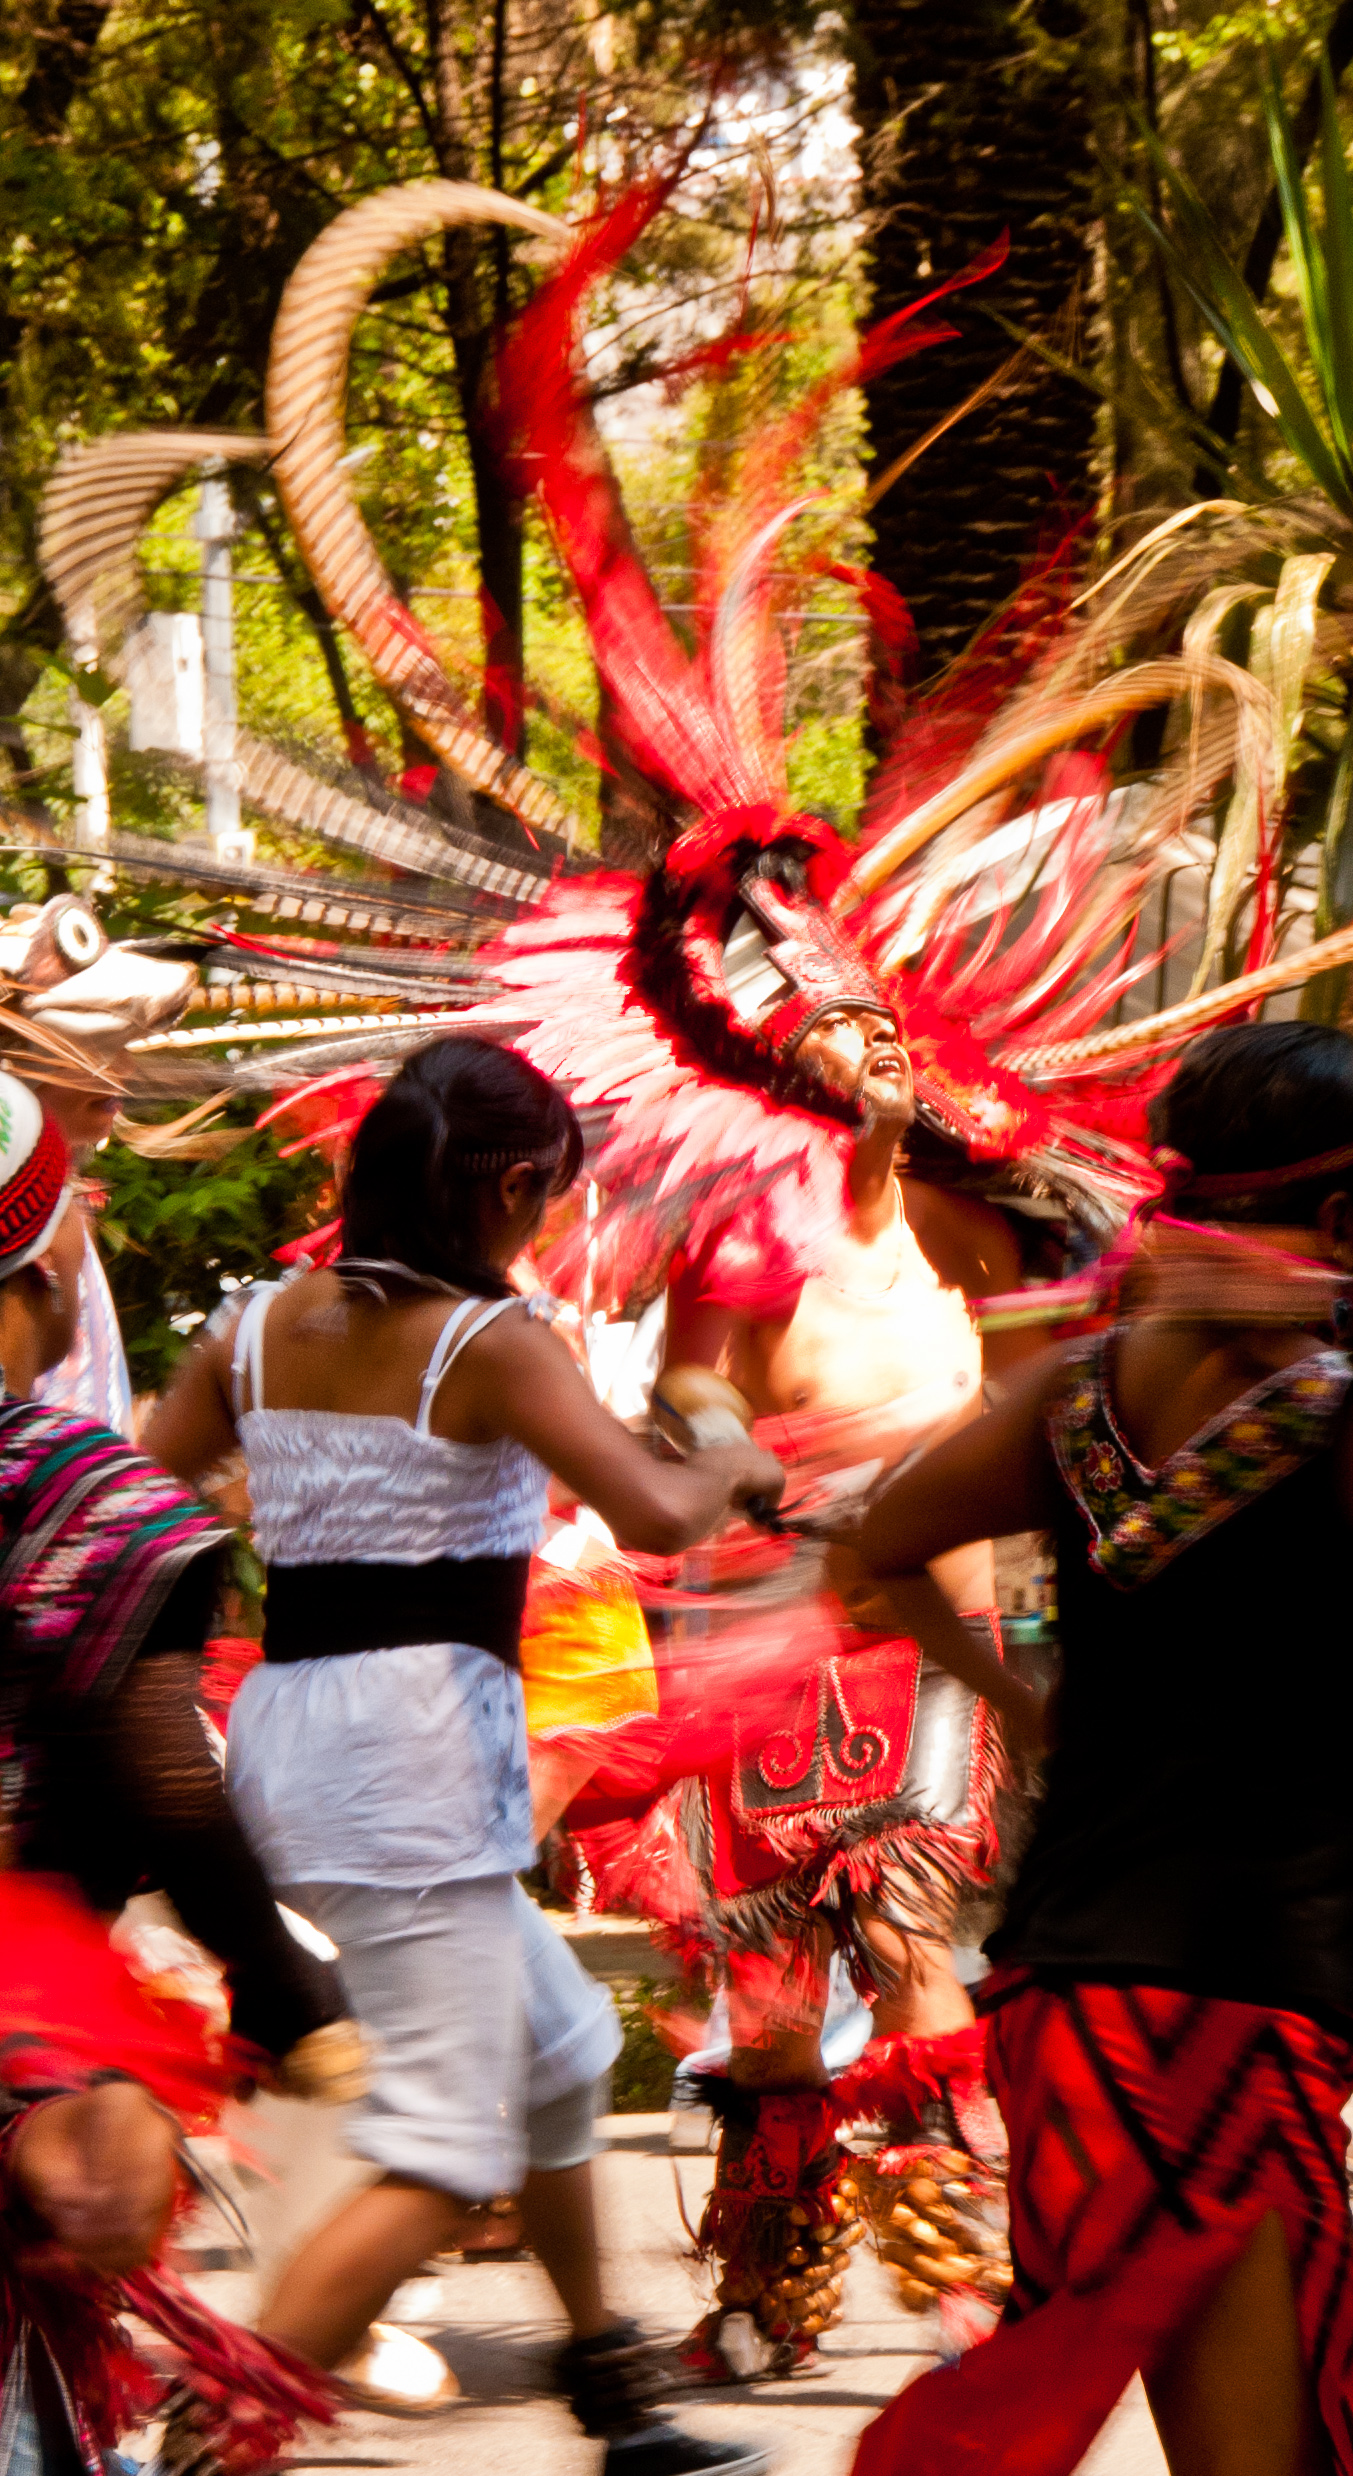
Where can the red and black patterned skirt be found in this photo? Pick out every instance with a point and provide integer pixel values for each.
(1150, 2132)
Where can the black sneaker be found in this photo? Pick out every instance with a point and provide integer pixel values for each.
(661, 2449)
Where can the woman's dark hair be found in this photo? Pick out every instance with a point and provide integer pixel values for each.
(1258, 1096)
(458, 1113)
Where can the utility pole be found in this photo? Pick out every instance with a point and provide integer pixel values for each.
(89, 756)
(214, 526)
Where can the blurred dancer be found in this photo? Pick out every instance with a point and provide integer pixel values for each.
(1172, 2005)
(852, 1805)
(106, 1583)
(868, 1359)
(84, 998)
(400, 1415)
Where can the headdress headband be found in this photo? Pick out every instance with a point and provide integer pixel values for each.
(34, 1167)
(1234, 1185)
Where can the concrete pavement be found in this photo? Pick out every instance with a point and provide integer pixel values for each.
(495, 2321)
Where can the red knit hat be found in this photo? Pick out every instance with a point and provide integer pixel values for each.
(34, 1176)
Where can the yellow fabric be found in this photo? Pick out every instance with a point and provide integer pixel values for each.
(586, 1661)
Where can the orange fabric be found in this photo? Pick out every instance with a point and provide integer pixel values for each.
(586, 1660)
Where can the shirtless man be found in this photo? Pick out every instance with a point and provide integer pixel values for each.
(883, 1327)
(809, 1781)
(875, 1356)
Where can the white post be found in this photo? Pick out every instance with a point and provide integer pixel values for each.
(214, 526)
(89, 757)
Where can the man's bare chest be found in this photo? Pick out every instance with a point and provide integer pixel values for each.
(848, 1349)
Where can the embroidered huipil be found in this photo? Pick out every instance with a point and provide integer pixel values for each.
(1198, 1830)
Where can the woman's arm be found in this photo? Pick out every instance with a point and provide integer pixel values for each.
(987, 1481)
(150, 1780)
(192, 1427)
(990, 1480)
(525, 1381)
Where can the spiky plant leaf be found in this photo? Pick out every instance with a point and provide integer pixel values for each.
(1291, 644)
(1238, 844)
(1323, 999)
(1308, 260)
(1337, 351)
(1228, 305)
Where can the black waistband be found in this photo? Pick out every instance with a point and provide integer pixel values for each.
(315, 1611)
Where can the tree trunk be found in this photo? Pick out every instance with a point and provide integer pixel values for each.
(973, 121)
(501, 586)
(477, 262)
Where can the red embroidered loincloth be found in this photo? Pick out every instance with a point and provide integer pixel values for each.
(794, 1762)
(795, 1759)
(1149, 2134)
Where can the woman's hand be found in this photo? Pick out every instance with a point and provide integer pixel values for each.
(98, 2173)
(332, 2066)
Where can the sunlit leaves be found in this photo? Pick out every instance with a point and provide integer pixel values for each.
(1318, 433)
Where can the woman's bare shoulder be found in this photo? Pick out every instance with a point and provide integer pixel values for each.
(526, 1327)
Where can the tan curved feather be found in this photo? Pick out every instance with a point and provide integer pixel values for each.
(1148, 683)
(1179, 1023)
(97, 504)
(306, 397)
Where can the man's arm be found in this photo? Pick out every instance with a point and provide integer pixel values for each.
(700, 1333)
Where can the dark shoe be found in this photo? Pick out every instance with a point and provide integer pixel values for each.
(612, 2383)
(664, 2450)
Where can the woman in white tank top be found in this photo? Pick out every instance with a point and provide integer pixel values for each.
(400, 1415)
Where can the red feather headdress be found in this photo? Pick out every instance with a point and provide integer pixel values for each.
(673, 1006)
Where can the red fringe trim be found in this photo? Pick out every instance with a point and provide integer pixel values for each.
(895, 2076)
(259, 2393)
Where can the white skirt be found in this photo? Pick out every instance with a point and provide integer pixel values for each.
(402, 1767)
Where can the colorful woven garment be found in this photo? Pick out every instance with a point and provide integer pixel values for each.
(1150, 2132)
(94, 1537)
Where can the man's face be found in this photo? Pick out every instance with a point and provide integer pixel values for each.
(85, 1118)
(860, 1054)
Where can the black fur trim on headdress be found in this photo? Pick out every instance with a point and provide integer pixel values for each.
(728, 1047)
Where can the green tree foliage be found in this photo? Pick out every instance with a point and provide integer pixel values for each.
(162, 169)
(171, 1231)
(155, 196)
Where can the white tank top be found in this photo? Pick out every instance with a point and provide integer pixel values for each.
(352, 1487)
(403, 1767)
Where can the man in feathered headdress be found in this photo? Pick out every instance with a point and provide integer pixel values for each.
(747, 1081)
(70, 1002)
(830, 1788)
